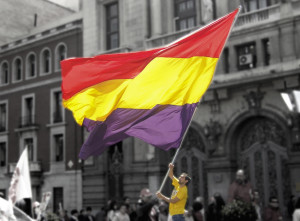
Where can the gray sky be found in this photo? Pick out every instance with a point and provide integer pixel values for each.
(73, 4)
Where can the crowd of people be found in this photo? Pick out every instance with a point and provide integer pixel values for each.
(154, 207)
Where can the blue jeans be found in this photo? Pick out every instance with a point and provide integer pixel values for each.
(178, 217)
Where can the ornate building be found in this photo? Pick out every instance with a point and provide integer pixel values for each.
(31, 112)
(242, 121)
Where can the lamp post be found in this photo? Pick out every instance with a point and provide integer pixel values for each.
(292, 101)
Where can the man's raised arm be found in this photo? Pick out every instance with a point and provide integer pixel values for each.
(171, 173)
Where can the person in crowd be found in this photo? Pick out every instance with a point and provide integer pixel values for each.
(146, 210)
(89, 216)
(122, 215)
(214, 210)
(272, 212)
(130, 209)
(291, 206)
(112, 209)
(36, 209)
(101, 215)
(296, 213)
(74, 215)
(179, 195)
(196, 212)
(163, 211)
(188, 214)
(257, 205)
(63, 215)
(201, 200)
(82, 214)
(240, 189)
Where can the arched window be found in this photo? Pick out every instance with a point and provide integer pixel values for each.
(17, 70)
(4, 73)
(60, 54)
(30, 66)
(45, 62)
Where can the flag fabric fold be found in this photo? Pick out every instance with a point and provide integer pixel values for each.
(20, 185)
(150, 94)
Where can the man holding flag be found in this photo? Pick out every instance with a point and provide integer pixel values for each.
(179, 195)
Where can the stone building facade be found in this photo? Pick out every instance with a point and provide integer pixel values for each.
(241, 122)
(31, 112)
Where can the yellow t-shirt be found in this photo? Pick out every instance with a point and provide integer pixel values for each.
(182, 194)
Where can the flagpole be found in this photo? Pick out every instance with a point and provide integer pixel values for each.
(177, 151)
(28, 218)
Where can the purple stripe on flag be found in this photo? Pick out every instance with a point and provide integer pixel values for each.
(162, 126)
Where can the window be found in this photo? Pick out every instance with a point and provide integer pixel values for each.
(185, 14)
(246, 55)
(30, 66)
(112, 26)
(59, 147)
(58, 198)
(60, 54)
(57, 108)
(27, 111)
(4, 73)
(2, 154)
(143, 151)
(89, 161)
(17, 70)
(28, 142)
(226, 60)
(45, 61)
(3, 117)
(266, 51)
(253, 5)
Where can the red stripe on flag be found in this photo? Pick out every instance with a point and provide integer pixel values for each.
(81, 73)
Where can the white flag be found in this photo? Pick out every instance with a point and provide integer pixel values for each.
(20, 185)
(6, 211)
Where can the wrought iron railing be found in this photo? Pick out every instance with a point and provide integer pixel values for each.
(27, 121)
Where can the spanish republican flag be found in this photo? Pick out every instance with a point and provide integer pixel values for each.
(150, 94)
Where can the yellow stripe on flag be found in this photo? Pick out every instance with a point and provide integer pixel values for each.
(173, 81)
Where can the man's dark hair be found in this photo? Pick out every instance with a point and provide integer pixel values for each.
(187, 177)
(89, 208)
(74, 211)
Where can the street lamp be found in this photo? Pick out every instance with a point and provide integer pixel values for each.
(292, 101)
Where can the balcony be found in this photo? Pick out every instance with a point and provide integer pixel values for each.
(34, 167)
(166, 39)
(257, 17)
(27, 121)
(245, 20)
